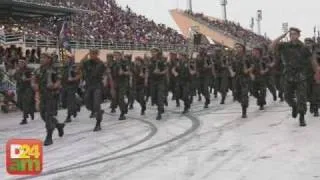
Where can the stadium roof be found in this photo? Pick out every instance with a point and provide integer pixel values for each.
(29, 9)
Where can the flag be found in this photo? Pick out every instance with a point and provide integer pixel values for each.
(64, 37)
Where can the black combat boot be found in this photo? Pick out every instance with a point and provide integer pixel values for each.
(316, 111)
(281, 96)
(68, 119)
(60, 127)
(223, 99)
(302, 120)
(186, 110)
(143, 109)
(92, 115)
(261, 107)
(98, 121)
(199, 98)
(311, 109)
(131, 106)
(159, 116)
(113, 110)
(244, 112)
(177, 103)
(32, 115)
(206, 104)
(75, 114)
(165, 102)
(294, 111)
(48, 141)
(122, 117)
(24, 121)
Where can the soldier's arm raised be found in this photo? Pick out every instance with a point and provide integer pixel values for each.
(276, 41)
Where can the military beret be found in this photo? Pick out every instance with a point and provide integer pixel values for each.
(295, 29)
(308, 40)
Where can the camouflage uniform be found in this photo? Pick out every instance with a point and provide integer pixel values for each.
(259, 82)
(123, 87)
(221, 75)
(241, 82)
(93, 71)
(295, 57)
(49, 101)
(25, 92)
(158, 84)
(205, 73)
(69, 91)
(140, 74)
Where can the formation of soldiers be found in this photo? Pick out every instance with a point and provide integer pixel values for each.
(289, 70)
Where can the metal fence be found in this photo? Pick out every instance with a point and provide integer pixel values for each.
(49, 42)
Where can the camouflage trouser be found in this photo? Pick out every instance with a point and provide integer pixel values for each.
(259, 91)
(315, 98)
(309, 89)
(203, 86)
(183, 92)
(131, 95)
(70, 101)
(157, 92)
(140, 92)
(49, 109)
(279, 84)
(221, 85)
(28, 102)
(241, 90)
(123, 91)
(93, 100)
(298, 91)
(271, 85)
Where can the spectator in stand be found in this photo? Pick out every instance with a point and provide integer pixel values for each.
(108, 21)
(232, 29)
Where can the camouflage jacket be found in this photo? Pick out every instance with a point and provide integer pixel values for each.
(296, 61)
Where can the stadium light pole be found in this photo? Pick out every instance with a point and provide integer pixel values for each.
(224, 9)
(189, 5)
(259, 19)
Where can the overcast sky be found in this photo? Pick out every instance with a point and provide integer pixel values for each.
(298, 13)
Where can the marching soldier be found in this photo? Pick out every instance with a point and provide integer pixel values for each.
(204, 66)
(158, 75)
(222, 74)
(296, 59)
(259, 83)
(70, 83)
(49, 87)
(124, 83)
(25, 92)
(93, 70)
(241, 72)
(184, 71)
(140, 74)
(315, 97)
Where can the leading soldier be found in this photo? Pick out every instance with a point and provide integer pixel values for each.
(93, 70)
(49, 87)
(296, 60)
(70, 84)
(158, 75)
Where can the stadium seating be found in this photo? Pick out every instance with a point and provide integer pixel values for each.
(108, 22)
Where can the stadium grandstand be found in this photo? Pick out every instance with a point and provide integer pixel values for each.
(220, 31)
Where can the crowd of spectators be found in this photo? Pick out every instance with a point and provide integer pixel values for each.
(231, 29)
(105, 20)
